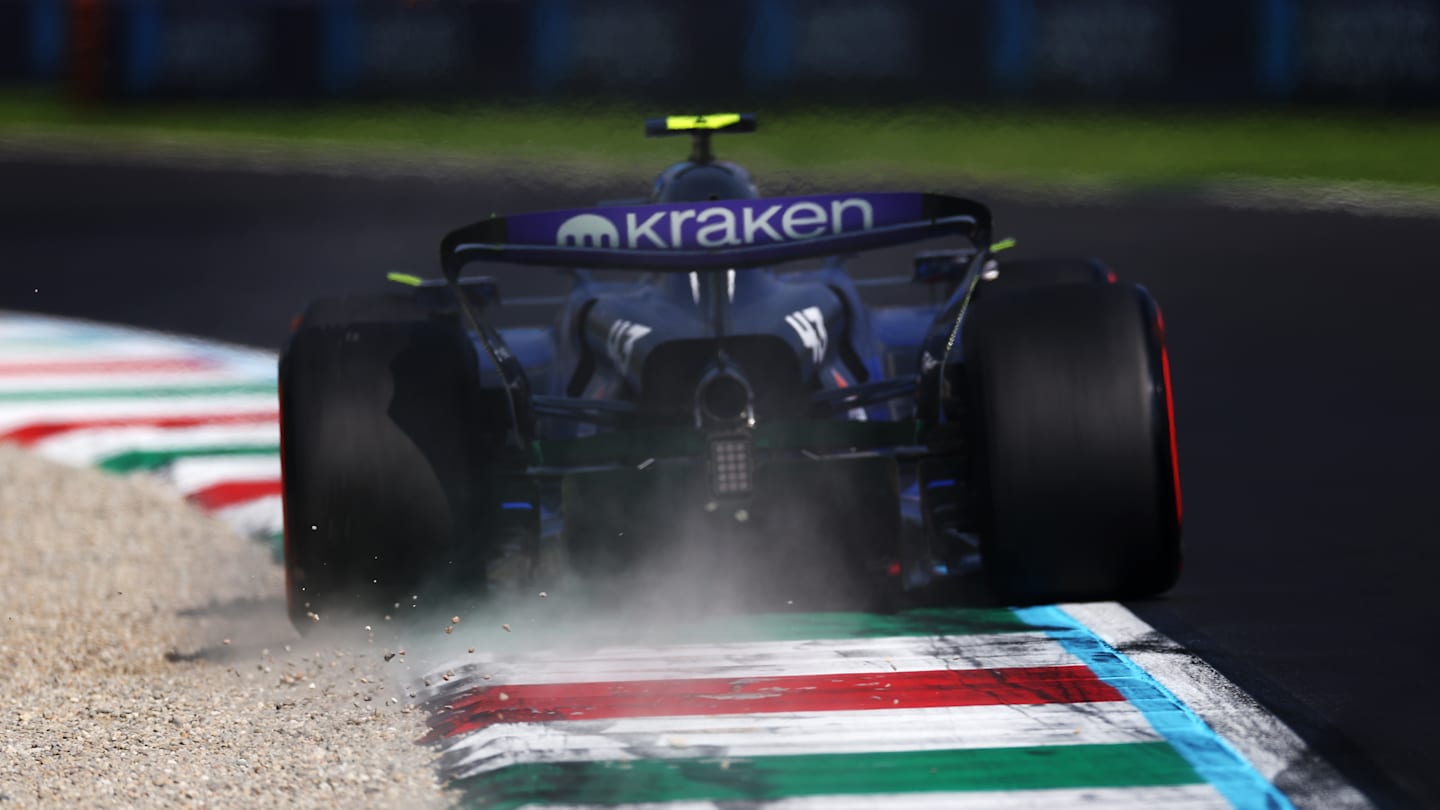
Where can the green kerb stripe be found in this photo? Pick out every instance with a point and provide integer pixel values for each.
(804, 626)
(276, 542)
(147, 460)
(139, 392)
(770, 778)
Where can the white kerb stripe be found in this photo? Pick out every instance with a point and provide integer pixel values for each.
(89, 351)
(86, 447)
(265, 515)
(139, 380)
(22, 326)
(43, 330)
(782, 734)
(14, 415)
(189, 475)
(761, 659)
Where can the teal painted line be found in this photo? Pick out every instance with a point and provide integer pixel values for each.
(1213, 758)
(769, 778)
(165, 392)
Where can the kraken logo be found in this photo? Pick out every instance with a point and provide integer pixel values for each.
(588, 230)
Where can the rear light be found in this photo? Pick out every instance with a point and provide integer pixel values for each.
(732, 466)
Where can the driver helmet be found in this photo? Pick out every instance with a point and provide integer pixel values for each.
(697, 182)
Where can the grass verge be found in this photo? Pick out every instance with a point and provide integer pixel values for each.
(1117, 148)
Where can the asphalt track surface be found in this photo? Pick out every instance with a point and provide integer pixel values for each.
(1302, 346)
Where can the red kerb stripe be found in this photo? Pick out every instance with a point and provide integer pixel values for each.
(230, 493)
(486, 706)
(29, 434)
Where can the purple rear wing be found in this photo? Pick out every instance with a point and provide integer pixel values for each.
(685, 237)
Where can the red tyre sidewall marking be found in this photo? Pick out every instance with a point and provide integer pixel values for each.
(1169, 413)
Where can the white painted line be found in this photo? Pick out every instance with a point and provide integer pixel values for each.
(1270, 746)
(1177, 797)
(781, 734)
(86, 447)
(759, 659)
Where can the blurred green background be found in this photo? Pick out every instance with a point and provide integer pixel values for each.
(909, 143)
(1080, 93)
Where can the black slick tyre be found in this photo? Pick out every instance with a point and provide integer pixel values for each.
(378, 456)
(1074, 440)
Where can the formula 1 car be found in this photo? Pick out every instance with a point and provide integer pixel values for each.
(1019, 430)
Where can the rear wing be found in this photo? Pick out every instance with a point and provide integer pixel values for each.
(715, 235)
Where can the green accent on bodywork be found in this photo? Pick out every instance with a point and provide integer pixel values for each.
(404, 278)
(1003, 244)
(627, 447)
(759, 779)
(148, 460)
(139, 392)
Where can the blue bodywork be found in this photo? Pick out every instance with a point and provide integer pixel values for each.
(648, 361)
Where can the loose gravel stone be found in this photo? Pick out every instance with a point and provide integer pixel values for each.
(146, 662)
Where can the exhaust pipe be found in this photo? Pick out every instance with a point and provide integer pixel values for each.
(724, 399)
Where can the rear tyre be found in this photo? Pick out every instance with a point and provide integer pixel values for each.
(1074, 435)
(379, 455)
